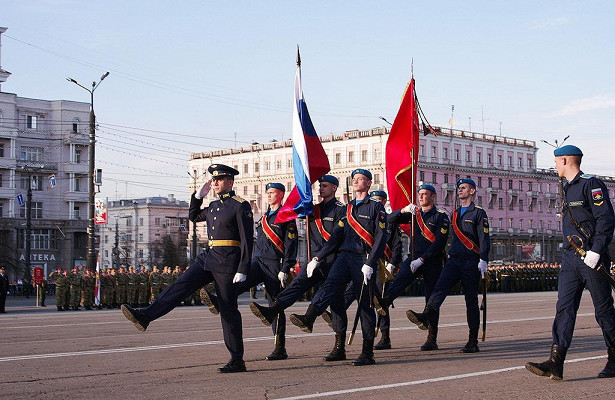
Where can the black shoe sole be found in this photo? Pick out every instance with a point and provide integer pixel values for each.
(537, 371)
(426, 347)
(297, 322)
(133, 319)
(412, 317)
(257, 312)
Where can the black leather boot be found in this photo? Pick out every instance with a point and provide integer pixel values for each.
(367, 354)
(431, 342)
(210, 301)
(305, 322)
(266, 314)
(609, 369)
(339, 350)
(385, 341)
(279, 352)
(472, 345)
(60, 308)
(553, 367)
(234, 365)
(422, 320)
(136, 316)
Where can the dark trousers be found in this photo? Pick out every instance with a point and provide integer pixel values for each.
(464, 270)
(430, 272)
(193, 279)
(574, 276)
(266, 271)
(301, 284)
(345, 269)
(2, 300)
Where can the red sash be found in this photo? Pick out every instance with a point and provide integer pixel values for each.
(424, 229)
(470, 245)
(271, 235)
(318, 221)
(363, 233)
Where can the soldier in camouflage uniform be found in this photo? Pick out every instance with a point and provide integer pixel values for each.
(76, 285)
(61, 286)
(155, 283)
(122, 286)
(144, 287)
(89, 282)
(166, 278)
(133, 286)
(113, 288)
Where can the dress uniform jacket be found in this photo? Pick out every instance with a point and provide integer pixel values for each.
(286, 232)
(474, 224)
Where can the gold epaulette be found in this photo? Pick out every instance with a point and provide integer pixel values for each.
(239, 199)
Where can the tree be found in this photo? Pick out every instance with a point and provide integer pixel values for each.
(170, 252)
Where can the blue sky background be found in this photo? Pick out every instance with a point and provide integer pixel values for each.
(197, 72)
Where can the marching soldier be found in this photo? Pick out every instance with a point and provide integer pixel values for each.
(42, 292)
(227, 262)
(61, 283)
(430, 232)
(322, 222)
(467, 260)
(76, 284)
(360, 238)
(275, 252)
(588, 221)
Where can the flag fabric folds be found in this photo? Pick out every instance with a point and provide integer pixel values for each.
(97, 286)
(310, 161)
(402, 152)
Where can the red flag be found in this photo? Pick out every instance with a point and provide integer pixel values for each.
(402, 151)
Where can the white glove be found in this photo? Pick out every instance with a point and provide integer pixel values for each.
(367, 272)
(203, 190)
(410, 208)
(414, 265)
(282, 277)
(390, 268)
(591, 259)
(239, 277)
(482, 267)
(312, 265)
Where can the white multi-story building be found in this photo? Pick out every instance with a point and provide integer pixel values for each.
(43, 141)
(136, 228)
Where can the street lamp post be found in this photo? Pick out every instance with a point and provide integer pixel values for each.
(91, 257)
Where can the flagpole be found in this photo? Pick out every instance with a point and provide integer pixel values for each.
(412, 200)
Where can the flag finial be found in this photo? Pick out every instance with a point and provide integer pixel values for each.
(298, 57)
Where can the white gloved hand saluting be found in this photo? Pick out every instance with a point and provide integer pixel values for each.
(415, 264)
(482, 267)
(282, 277)
(239, 277)
(203, 190)
(390, 268)
(367, 272)
(410, 208)
(591, 259)
(312, 265)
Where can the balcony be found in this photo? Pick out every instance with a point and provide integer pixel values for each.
(533, 194)
(450, 187)
(491, 190)
(513, 192)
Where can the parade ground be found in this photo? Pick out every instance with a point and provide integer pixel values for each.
(45, 354)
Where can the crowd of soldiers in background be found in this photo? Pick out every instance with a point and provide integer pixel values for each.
(125, 285)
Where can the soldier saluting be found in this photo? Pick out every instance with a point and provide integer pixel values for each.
(588, 216)
(467, 260)
(230, 228)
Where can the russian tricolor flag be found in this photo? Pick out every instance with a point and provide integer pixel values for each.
(310, 161)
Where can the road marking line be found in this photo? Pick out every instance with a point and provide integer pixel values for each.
(422, 381)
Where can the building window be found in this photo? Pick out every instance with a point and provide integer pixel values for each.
(480, 182)
(434, 152)
(256, 167)
(456, 154)
(255, 189)
(500, 223)
(376, 178)
(77, 184)
(422, 176)
(434, 178)
(289, 163)
(520, 205)
(31, 121)
(468, 156)
(520, 162)
(245, 168)
(140, 221)
(36, 183)
(76, 212)
(500, 184)
(157, 221)
(510, 222)
(363, 155)
(421, 150)
(140, 237)
(278, 164)
(28, 153)
(520, 185)
(529, 186)
(267, 166)
(351, 156)
(500, 160)
(1, 149)
(478, 158)
(245, 190)
(480, 201)
(501, 204)
(129, 221)
(521, 224)
(40, 239)
(77, 156)
(376, 154)
(531, 224)
(0, 180)
(489, 158)
(529, 163)
(76, 125)
(489, 182)
(140, 253)
(445, 178)
(510, 184)
(338, 158)
(510, 162)
(445, 153)
(540, 206)
(37, 210)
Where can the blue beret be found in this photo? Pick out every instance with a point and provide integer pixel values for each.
(275, 185)
(329, 179)
(466, 180)
(380, 193)
(218, 171)
(427, 186)
(362, 172)
(568, 150)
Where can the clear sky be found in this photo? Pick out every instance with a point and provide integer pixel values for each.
(187, 76)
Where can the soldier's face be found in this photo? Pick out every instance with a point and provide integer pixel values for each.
(465, 191)
(223, 185)
(360, 183)
(274, 196)
(426, 198)
(381, 199)
(327, 189)
(560, 163)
